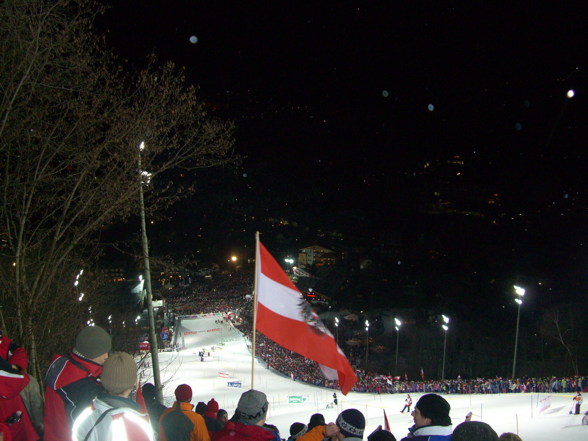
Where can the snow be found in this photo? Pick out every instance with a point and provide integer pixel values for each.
(518, 413)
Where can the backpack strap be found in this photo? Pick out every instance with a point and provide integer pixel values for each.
(100, 418)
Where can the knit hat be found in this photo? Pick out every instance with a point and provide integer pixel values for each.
(351, 422)
(381, 435)
(477, 430)
(119, 373)
(183, 393)
(92, 341)
(317, 419)
(212, 406)
(297, 430)
(436, 408)
(252, 407)
(200, 408)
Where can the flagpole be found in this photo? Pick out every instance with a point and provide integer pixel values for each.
(257, 262)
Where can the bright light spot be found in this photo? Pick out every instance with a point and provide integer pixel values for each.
(570, 93)
(398, 322)
(146, 177)
(142, 146)
(193, 39)
(76, 283)
(81, 297)
(385, 93)
(445, 328)
(445, 318)
(233, 258)
(430, 107)
(519, 301)
(519, 291)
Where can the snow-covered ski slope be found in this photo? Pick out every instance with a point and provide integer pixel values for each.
(517, 413)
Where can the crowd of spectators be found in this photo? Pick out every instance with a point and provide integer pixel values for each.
(224, 293)
(231, 294)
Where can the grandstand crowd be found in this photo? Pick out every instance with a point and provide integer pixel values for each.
(232, 294)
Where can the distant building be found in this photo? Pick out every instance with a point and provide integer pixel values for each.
(317, 255)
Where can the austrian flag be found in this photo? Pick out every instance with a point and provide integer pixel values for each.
(286, 318)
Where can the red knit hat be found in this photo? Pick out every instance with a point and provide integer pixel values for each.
(183, 393)
(212, 406)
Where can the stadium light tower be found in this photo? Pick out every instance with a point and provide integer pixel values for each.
(445, 328)
(144, 178)
(367, 342)
(520, 292)
(337, 330)
(397, 327)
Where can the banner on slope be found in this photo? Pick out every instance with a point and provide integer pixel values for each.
(285, 317)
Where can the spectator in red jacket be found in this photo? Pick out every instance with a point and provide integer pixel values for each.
(250, 418)
(72, 382)
(13, 379)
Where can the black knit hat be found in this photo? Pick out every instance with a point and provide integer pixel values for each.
(317, 419)
(297, 430)
(200, 407)
(474, 430)
(351, 422)
(381, 435)
(436, 408)
(92, 341)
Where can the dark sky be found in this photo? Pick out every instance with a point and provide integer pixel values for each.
(337, 103)
(352, 82)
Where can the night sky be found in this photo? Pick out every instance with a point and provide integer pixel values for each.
(374, 116)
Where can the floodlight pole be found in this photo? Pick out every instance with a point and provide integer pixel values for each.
(445, 328)
(145, 243)
(519, 292)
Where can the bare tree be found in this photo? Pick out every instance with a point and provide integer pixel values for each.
(71, 122)
(563, 325)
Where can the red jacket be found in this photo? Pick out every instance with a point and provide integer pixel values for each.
(12, 382)
(72, 383)
(244, 432)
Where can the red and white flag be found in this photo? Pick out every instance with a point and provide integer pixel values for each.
(285, 317)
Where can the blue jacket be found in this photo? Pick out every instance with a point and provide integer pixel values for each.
(429, 433)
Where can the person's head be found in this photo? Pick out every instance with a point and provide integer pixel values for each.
(183, 393)
(149, 392)
(431, 410)
(474, 430)
(212, 407)
(119, 374)
(509, 436)
(222, 416)
(381, 435)
(200, 408)
(351, 423)
(317, 419)
(93, 343)
(252, 408)
(297, 430)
